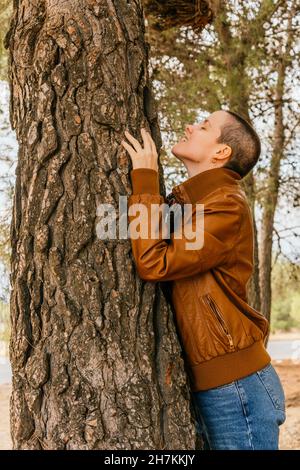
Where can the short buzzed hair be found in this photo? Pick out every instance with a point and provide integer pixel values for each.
(244, 142)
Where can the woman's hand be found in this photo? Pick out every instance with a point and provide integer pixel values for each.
(142, 157)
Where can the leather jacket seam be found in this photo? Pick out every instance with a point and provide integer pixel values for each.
(193, 339)
(236, 238)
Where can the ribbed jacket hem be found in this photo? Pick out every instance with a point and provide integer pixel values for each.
(229, 367)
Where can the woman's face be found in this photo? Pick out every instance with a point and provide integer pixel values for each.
(199, 143)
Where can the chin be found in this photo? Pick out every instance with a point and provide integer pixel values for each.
(175, 150)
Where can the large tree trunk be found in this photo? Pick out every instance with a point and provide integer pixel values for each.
(95, 354)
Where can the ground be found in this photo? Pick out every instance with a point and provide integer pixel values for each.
(5, 441)
(288, 372)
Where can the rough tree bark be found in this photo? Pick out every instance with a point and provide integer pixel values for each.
(95, 356)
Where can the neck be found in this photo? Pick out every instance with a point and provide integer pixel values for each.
(194, 168)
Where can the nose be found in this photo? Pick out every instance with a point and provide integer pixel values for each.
(189, 128)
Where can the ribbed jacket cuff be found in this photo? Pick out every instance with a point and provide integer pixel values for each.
(144, 180)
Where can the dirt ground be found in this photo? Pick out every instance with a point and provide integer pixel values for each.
(288, 372)
(5, 441)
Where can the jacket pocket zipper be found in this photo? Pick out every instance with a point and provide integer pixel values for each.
(221, 322)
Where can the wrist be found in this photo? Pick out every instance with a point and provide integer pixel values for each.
(144, 167)
(144, 180)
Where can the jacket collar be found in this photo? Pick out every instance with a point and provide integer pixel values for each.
(196, 187)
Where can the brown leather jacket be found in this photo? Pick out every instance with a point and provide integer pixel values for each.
(222, 335)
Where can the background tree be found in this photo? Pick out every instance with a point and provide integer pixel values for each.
(6, 156)
(5, 14)
(282, 63)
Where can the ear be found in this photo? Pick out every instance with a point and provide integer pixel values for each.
(224, 153)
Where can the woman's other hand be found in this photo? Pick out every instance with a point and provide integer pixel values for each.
(142, 157)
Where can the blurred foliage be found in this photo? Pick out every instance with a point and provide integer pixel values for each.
(6, 7)
(4, 325)
(286, 296)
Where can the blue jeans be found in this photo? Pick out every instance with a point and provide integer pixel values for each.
(244, 414)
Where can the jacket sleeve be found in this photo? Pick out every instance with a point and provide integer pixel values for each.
(168, 258)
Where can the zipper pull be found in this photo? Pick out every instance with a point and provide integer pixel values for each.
(230, 342)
